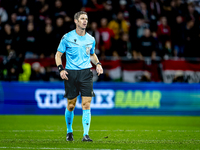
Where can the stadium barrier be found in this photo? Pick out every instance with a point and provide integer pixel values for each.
(133, 71)
(128, 70)
(111, 99)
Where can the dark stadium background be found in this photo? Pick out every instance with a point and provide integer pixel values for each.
(159, 38)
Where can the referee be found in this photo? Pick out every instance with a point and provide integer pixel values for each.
(79, 47)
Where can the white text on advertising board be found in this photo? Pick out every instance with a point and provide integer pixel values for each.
(104, 99)
(53, 99)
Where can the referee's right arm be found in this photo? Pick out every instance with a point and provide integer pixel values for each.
(58, 60)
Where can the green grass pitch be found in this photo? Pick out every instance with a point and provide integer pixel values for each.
(107, 132)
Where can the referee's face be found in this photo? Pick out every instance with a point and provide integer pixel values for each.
(82, 22)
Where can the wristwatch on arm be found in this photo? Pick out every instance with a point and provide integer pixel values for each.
(98, 63)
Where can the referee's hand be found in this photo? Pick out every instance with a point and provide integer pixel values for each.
(99, 69)
(63, 74)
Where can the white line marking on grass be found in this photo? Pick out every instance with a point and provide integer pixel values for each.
(29, 130)
(59, 148)
(101, 140)
(103, 130)
(70, 148)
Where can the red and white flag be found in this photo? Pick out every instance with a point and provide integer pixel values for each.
(189, 71)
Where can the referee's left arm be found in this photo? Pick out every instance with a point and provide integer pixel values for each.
(96, 62)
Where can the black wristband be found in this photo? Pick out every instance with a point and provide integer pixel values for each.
(98, 63)
(60, 68)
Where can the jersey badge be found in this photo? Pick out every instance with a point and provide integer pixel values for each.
(88, 50)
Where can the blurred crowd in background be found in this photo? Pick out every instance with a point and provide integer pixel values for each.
(128, 29)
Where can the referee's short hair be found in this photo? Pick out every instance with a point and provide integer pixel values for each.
(77, 15)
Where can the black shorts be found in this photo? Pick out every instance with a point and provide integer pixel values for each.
(79, 81)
